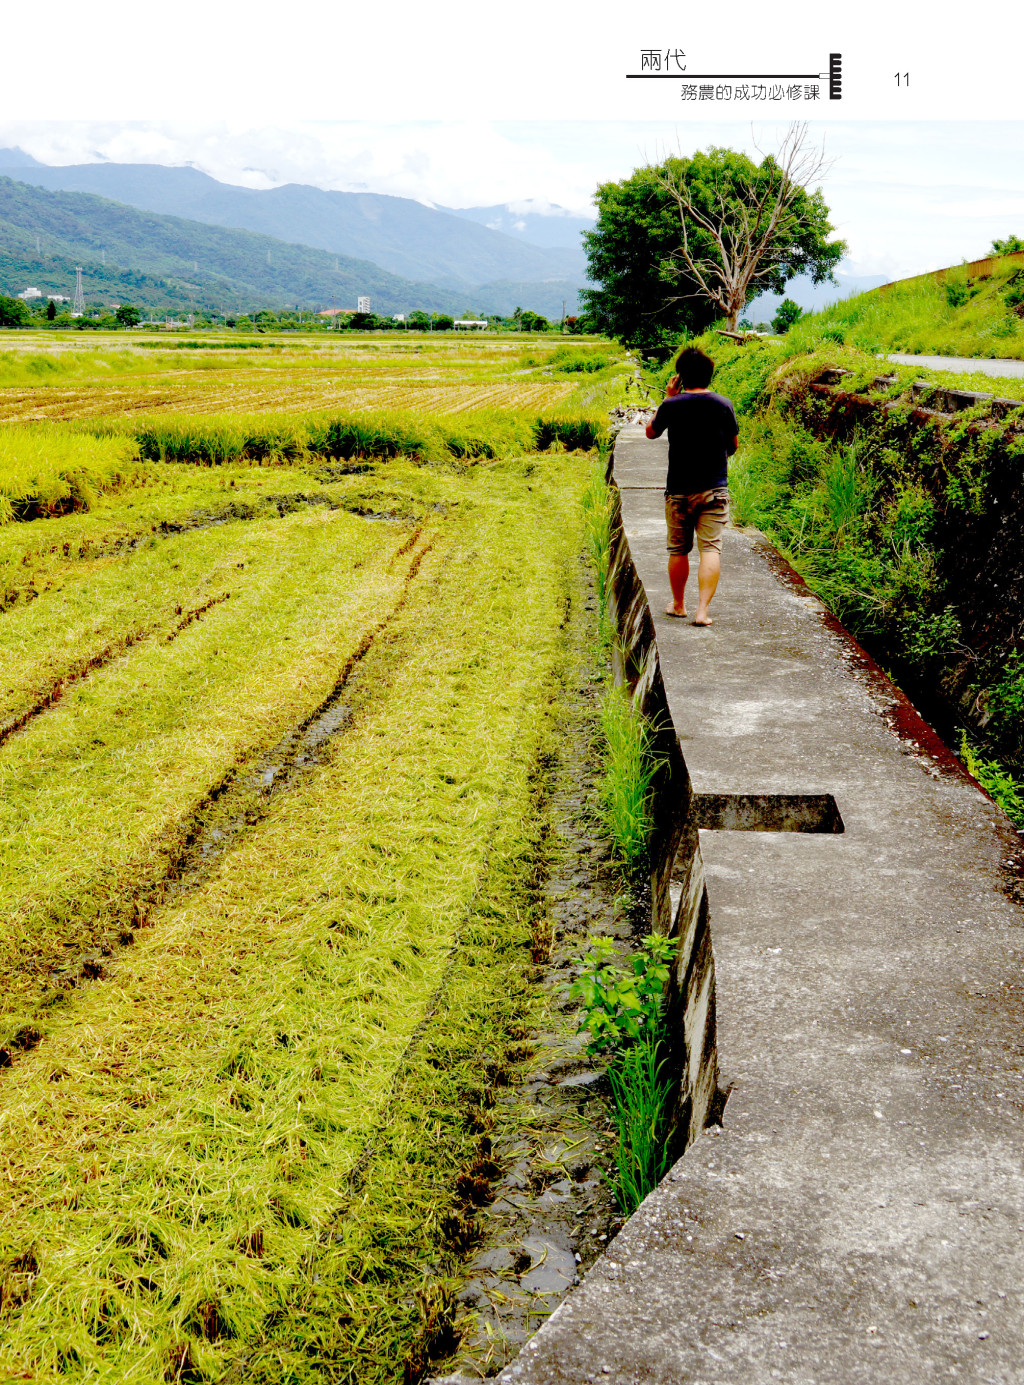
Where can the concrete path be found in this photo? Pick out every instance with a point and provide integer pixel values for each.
(986, 365)
(860, 1215)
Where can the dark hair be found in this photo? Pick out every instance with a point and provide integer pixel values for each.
(694, 369)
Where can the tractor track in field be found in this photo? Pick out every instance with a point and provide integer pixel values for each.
(77, 673)
(190, 851)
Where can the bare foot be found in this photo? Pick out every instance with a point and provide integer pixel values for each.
(703, 620)
(672, 611)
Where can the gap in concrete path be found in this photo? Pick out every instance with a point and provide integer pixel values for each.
(767, 812)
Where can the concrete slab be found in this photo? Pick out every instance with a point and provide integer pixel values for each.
(859, 1217)
(987, 365)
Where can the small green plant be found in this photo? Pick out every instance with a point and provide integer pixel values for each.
(641, 1095)
(622, 1003)
(630, 770)
(996, 780)
(624, 1014)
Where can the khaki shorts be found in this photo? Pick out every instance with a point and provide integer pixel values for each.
(706, 512)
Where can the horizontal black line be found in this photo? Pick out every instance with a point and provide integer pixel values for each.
(745, 76)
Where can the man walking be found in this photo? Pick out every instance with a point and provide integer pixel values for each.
(702, 436)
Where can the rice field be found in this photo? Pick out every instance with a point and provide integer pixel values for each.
(436, 378)
(272, 733)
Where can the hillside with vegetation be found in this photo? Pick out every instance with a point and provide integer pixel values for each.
(975, 309)
(157, 261)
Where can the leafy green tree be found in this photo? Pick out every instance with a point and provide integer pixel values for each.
(786, 314)
(528, 321)
(1012, 245)
(419, 319)
(14, 312)
(128, 315)
(681, 243)
(443, 322)
(629, 256)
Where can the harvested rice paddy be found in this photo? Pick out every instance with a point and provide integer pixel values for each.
(273, 738)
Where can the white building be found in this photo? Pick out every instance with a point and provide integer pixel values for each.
(472, 324)
(362, 305)
(26, 294)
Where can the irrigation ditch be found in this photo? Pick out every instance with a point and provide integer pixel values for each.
(547, 1217)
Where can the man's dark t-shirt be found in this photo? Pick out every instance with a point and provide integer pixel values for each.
(701, 438)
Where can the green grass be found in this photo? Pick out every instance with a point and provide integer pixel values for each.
(180, 1146)
(212, 440)
(996, 779)
(956, 316)
(640, 1095)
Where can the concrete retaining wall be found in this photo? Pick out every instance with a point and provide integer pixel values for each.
(679, 901)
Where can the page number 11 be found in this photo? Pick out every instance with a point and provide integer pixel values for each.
(903, 79)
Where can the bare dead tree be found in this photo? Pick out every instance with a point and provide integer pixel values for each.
(750, 219)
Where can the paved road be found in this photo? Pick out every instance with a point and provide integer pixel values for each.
(1013, 369)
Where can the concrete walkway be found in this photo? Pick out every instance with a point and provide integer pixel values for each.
(986, 365)
(859, 1217)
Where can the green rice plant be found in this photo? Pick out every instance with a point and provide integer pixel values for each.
(626, 788)
(641, 1097)
(47, 470)
(598, 511)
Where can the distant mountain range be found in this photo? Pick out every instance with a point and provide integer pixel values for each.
(556, 229)
(451, 249)
(158, 261)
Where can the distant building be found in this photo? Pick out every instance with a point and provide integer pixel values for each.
(337, 312)
(30, 293)
(398, 317)
(472, 324)
(362, 305)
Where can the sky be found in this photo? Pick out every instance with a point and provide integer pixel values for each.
(458, 104)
